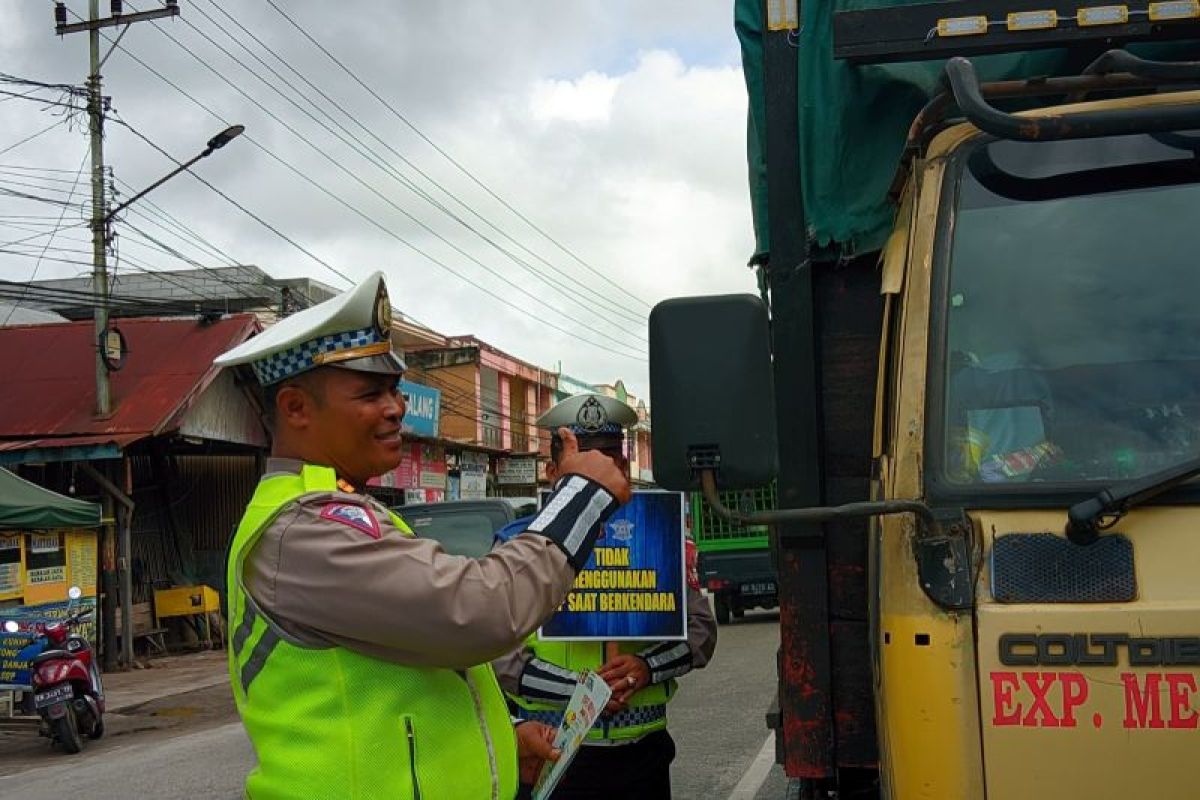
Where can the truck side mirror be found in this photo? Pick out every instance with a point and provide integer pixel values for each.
(714, 399)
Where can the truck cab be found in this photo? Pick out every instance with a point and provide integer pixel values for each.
(986, 583)
(1040, 357)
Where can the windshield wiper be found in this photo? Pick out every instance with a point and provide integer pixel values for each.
(1086, 519)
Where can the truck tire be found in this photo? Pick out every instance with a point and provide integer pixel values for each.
(721, 609)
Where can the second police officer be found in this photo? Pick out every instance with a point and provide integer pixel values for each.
(628, 753)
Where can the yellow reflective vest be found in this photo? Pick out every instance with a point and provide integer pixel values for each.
(647, 709)
(327, 722)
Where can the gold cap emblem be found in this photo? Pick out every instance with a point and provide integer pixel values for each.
(383, 312)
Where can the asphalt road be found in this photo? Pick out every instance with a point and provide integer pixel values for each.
(717, 721)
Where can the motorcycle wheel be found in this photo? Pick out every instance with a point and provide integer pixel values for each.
(66, 731)
(97, 729)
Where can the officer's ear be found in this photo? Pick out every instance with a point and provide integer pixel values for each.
(551, 471)
(295, 403)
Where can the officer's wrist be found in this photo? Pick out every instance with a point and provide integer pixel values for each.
(574, 515)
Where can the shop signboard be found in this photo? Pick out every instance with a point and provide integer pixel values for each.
(17, 649)
(423, 407)
(472, 471)
(431, 473)
(422, 466)
(10, 565)
(517, 471)
(420, 496)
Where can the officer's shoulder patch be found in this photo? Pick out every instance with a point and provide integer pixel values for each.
(356, 516)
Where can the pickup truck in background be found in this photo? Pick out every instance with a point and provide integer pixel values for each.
(735, 562)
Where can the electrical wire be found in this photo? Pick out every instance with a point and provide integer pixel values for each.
(636, 353)
(120, 120)
(170, 224)
(45, 295)
(238, 205)
(381, 163)
(599, 274)
(210, 186)
(332, 269)
(38, 264)
(37, 198)
(166, 277)
(30, 168)
(39, 235)
(31, 137)
(28, 96)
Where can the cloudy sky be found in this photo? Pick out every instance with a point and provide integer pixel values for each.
(616, 127)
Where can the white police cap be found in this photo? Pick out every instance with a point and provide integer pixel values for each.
(589, 413)
(352, 331)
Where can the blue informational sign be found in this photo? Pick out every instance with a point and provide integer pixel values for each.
(633, 585)
(424, 405)
(18, 649)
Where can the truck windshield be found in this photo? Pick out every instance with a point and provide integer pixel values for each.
(1072, 311)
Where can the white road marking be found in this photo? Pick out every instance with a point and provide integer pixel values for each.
(756, 774)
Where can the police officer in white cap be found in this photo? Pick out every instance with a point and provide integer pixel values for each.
(359, 654)
(628, 752)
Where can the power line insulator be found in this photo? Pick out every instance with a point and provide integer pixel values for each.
(60, 13)
(116, 8)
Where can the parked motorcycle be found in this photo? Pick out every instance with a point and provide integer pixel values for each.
(67, 692)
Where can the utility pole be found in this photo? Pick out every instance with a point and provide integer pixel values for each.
(100, 220)
(99, 229)
(92, 25)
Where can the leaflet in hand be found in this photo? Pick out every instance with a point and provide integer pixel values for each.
(587, 701)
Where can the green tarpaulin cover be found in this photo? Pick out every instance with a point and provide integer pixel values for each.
(24, 505)
(854, 119)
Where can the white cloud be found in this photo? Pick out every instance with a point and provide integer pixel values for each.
(588, 99)
(617, 127)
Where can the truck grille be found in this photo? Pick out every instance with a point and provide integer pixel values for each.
(1045, 568)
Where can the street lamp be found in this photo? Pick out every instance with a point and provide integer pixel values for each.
(110, 344)
(215, 143)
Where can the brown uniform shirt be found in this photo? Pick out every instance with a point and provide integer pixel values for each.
(329, 581)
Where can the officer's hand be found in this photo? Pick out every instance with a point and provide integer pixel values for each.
(535, 746)
(625, 674)
(594, 465)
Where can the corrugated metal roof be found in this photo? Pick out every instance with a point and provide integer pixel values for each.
(48, 392)
(117, 439)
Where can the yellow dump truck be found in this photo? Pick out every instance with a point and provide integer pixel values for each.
(974, 372)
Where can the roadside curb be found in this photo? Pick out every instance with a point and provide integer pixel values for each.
(132, 706)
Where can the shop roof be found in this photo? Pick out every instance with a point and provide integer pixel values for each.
(48, 391)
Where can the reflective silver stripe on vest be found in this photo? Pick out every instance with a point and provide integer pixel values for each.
(249, 614)
(258, 657)
(664, 657)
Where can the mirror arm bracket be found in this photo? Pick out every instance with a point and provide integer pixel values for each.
(708, 484)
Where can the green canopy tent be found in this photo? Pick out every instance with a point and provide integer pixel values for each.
(25, 506)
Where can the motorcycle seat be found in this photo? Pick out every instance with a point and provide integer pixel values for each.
(51, 655)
